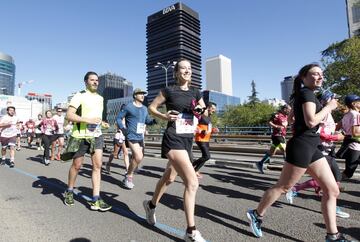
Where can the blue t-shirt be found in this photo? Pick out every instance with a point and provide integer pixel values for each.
(135, 120)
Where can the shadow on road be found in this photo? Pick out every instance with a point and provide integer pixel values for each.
(38, 158)
(352, 231)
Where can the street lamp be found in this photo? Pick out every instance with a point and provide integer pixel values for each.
(165, 67)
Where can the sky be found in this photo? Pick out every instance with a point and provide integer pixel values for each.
(55, 43)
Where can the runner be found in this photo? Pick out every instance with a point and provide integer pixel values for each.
(30, 131)
(85, 111)
(8, 135)
(136, 118)
(351, 125)
(59, 140)
(119, 145)
(303, 154)
(49, 127)
(19, 134)
(328, 136)
(182, 101)
(278, 123)
(38, 133)
(202, 137)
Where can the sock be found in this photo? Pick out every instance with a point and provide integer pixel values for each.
(151, 205)
(70, 190)
(265, 158)
(3, 158)
(190, 229)
(95, 198)
(257, 214)
(312, 183)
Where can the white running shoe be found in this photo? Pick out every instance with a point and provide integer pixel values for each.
(150, 213)
(290, 196)
(341, 214)
(128, 183)
(195, 236)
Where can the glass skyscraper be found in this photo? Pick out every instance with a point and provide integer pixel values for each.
(172, 33)
(7, 74)
(220, 99)
(113, 86)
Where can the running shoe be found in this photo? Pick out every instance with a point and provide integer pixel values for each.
(260, 167)
(2, 162)
(38, 148)
(195, 236)
(12, 164)
(69, 198)
(18, 148)
(290, 196)
(46, 162)
(128, 183)
(341, 214)
(255, 223)
(99, 205)
(150, 213)
(340, 237)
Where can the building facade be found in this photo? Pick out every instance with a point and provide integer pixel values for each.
(45, 99)
(25, 109)
(7, 74)
(219, 75)
(353, 17)
(114, 106)
(222, 100)
(172, 33)
(287, 88)
(112, 86)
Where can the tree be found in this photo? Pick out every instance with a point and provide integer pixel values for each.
(342, 66)
(253, 98)
(248, 114)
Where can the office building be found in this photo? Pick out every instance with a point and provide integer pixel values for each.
(353, 17)
(113, 86)
(172, 33)
(25, 109)
(7, 74)
(45, 99)
(218, 74)
(113, 108)
(287, 88)
(222, 100)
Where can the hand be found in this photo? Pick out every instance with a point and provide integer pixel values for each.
(203, 132)
(340, 136)
(171, 116)
(332, 104)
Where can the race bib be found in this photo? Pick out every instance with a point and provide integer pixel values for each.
(186, 123)
(140, 128)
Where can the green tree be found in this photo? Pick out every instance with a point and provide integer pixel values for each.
(253, 99)
(342, 66)
(247, 114)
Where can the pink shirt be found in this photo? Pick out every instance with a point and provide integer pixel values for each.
(350, 119)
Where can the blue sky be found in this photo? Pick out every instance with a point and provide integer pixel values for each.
(56, 42)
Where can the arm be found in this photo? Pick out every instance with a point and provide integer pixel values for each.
(158, 101)
(311, 118)
(120, 117)
(73, 117)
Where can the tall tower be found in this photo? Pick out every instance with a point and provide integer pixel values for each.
(287, 88)
(218, 74)
(172, 33)
(7, 74)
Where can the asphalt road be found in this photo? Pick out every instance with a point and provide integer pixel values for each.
(32, 208)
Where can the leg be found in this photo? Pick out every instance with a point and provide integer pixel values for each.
(321, 172)
(204, 147)
(126, 156)
(60, 147)
(74, 170)
(352, 159)
(96, 159)
(46, 141)
(290, 174)
(182, 165)
(162, 185)
(137, 156)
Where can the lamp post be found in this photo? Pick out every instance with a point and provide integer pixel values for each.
(165, 67)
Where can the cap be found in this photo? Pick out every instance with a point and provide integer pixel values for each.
(138, 90)
(350, 99)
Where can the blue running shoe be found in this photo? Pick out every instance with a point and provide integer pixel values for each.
(260, 167)
(255, 223)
